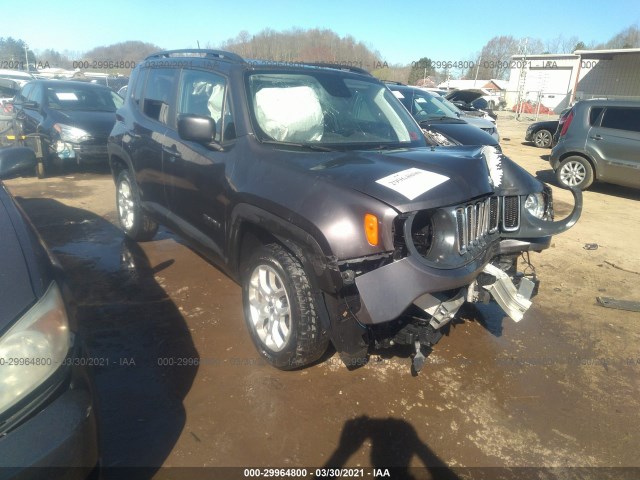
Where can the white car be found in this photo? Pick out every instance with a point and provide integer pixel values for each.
(17, 76)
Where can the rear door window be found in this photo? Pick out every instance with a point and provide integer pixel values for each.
(622, 118)
(594, 114)
(159, 94)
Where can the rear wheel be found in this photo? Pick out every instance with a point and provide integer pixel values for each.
(575, 172)
(280, 310)
(134, 221)
(543, 139)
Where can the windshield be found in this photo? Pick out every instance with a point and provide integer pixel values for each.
(427, 106)
(84, 98)
(321, 108)
(450, 105)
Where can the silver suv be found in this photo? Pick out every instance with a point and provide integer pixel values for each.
(600, 140)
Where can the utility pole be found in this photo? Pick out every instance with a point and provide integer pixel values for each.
(26, 56)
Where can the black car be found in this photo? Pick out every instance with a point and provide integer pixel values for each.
(47, 416)
(441, 125)
(316, 190)
(542, 133)
(70, 120)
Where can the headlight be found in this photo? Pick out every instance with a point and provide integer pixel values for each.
(33, 349)
(535, 205)
(71, 134)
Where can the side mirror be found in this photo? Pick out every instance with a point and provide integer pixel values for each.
(15, 160)
(196, 128)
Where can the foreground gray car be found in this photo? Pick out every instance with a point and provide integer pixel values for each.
(600, 140)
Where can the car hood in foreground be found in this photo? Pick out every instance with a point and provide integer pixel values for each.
(16, 291)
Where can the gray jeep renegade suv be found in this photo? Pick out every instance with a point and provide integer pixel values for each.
(314, 188)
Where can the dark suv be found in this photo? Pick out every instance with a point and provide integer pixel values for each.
(314, 188)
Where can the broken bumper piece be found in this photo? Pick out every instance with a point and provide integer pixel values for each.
(514, 302)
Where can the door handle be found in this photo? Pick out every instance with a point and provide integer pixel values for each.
(596, 137)
(172, 152)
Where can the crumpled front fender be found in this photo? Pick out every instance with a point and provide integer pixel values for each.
(535, 227)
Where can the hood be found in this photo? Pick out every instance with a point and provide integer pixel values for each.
(410, 180)
(462, 132)
(477, 121)
(466, 96)
(16, 291)
(98, 124)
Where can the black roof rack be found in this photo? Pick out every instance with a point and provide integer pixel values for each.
(338, 66)
(219, 54)
(393, 82)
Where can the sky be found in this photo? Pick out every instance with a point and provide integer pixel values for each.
(402, 31)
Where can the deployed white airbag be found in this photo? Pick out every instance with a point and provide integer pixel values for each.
(292, 114)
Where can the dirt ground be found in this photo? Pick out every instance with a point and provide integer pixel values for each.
(180, 384)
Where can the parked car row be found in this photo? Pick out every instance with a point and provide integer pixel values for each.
(441, 121)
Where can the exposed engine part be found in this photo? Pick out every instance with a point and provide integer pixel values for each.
(506, 295)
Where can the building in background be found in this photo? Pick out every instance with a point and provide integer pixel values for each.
(555, 81)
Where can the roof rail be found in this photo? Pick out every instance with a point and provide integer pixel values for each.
(338, 66)
(393, 82)
(220, 54)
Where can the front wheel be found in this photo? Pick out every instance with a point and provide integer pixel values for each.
(575, 172)
(280, 310)
(134, 221)
(543, 139)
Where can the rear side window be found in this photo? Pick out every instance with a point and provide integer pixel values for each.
(24, 93)
(136, 92)
(158, 93)
(594, 114)
(622, 118)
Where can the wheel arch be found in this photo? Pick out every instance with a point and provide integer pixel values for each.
(251, 226)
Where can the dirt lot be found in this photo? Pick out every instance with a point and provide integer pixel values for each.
(180, 383)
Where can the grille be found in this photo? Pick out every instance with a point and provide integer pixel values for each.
(475, 222)
(511, 213)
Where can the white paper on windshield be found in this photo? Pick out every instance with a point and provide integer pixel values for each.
(66, 96)
(412, 182)
(397, 94)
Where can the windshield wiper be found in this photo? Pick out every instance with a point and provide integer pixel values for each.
(310, 146)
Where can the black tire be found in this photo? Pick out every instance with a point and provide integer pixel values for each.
(575, 172)
(41, 171)
(543, 138)
(135, 223)
(298, 338)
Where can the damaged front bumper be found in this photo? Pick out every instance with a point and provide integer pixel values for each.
(389, 296)
(386, 292)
